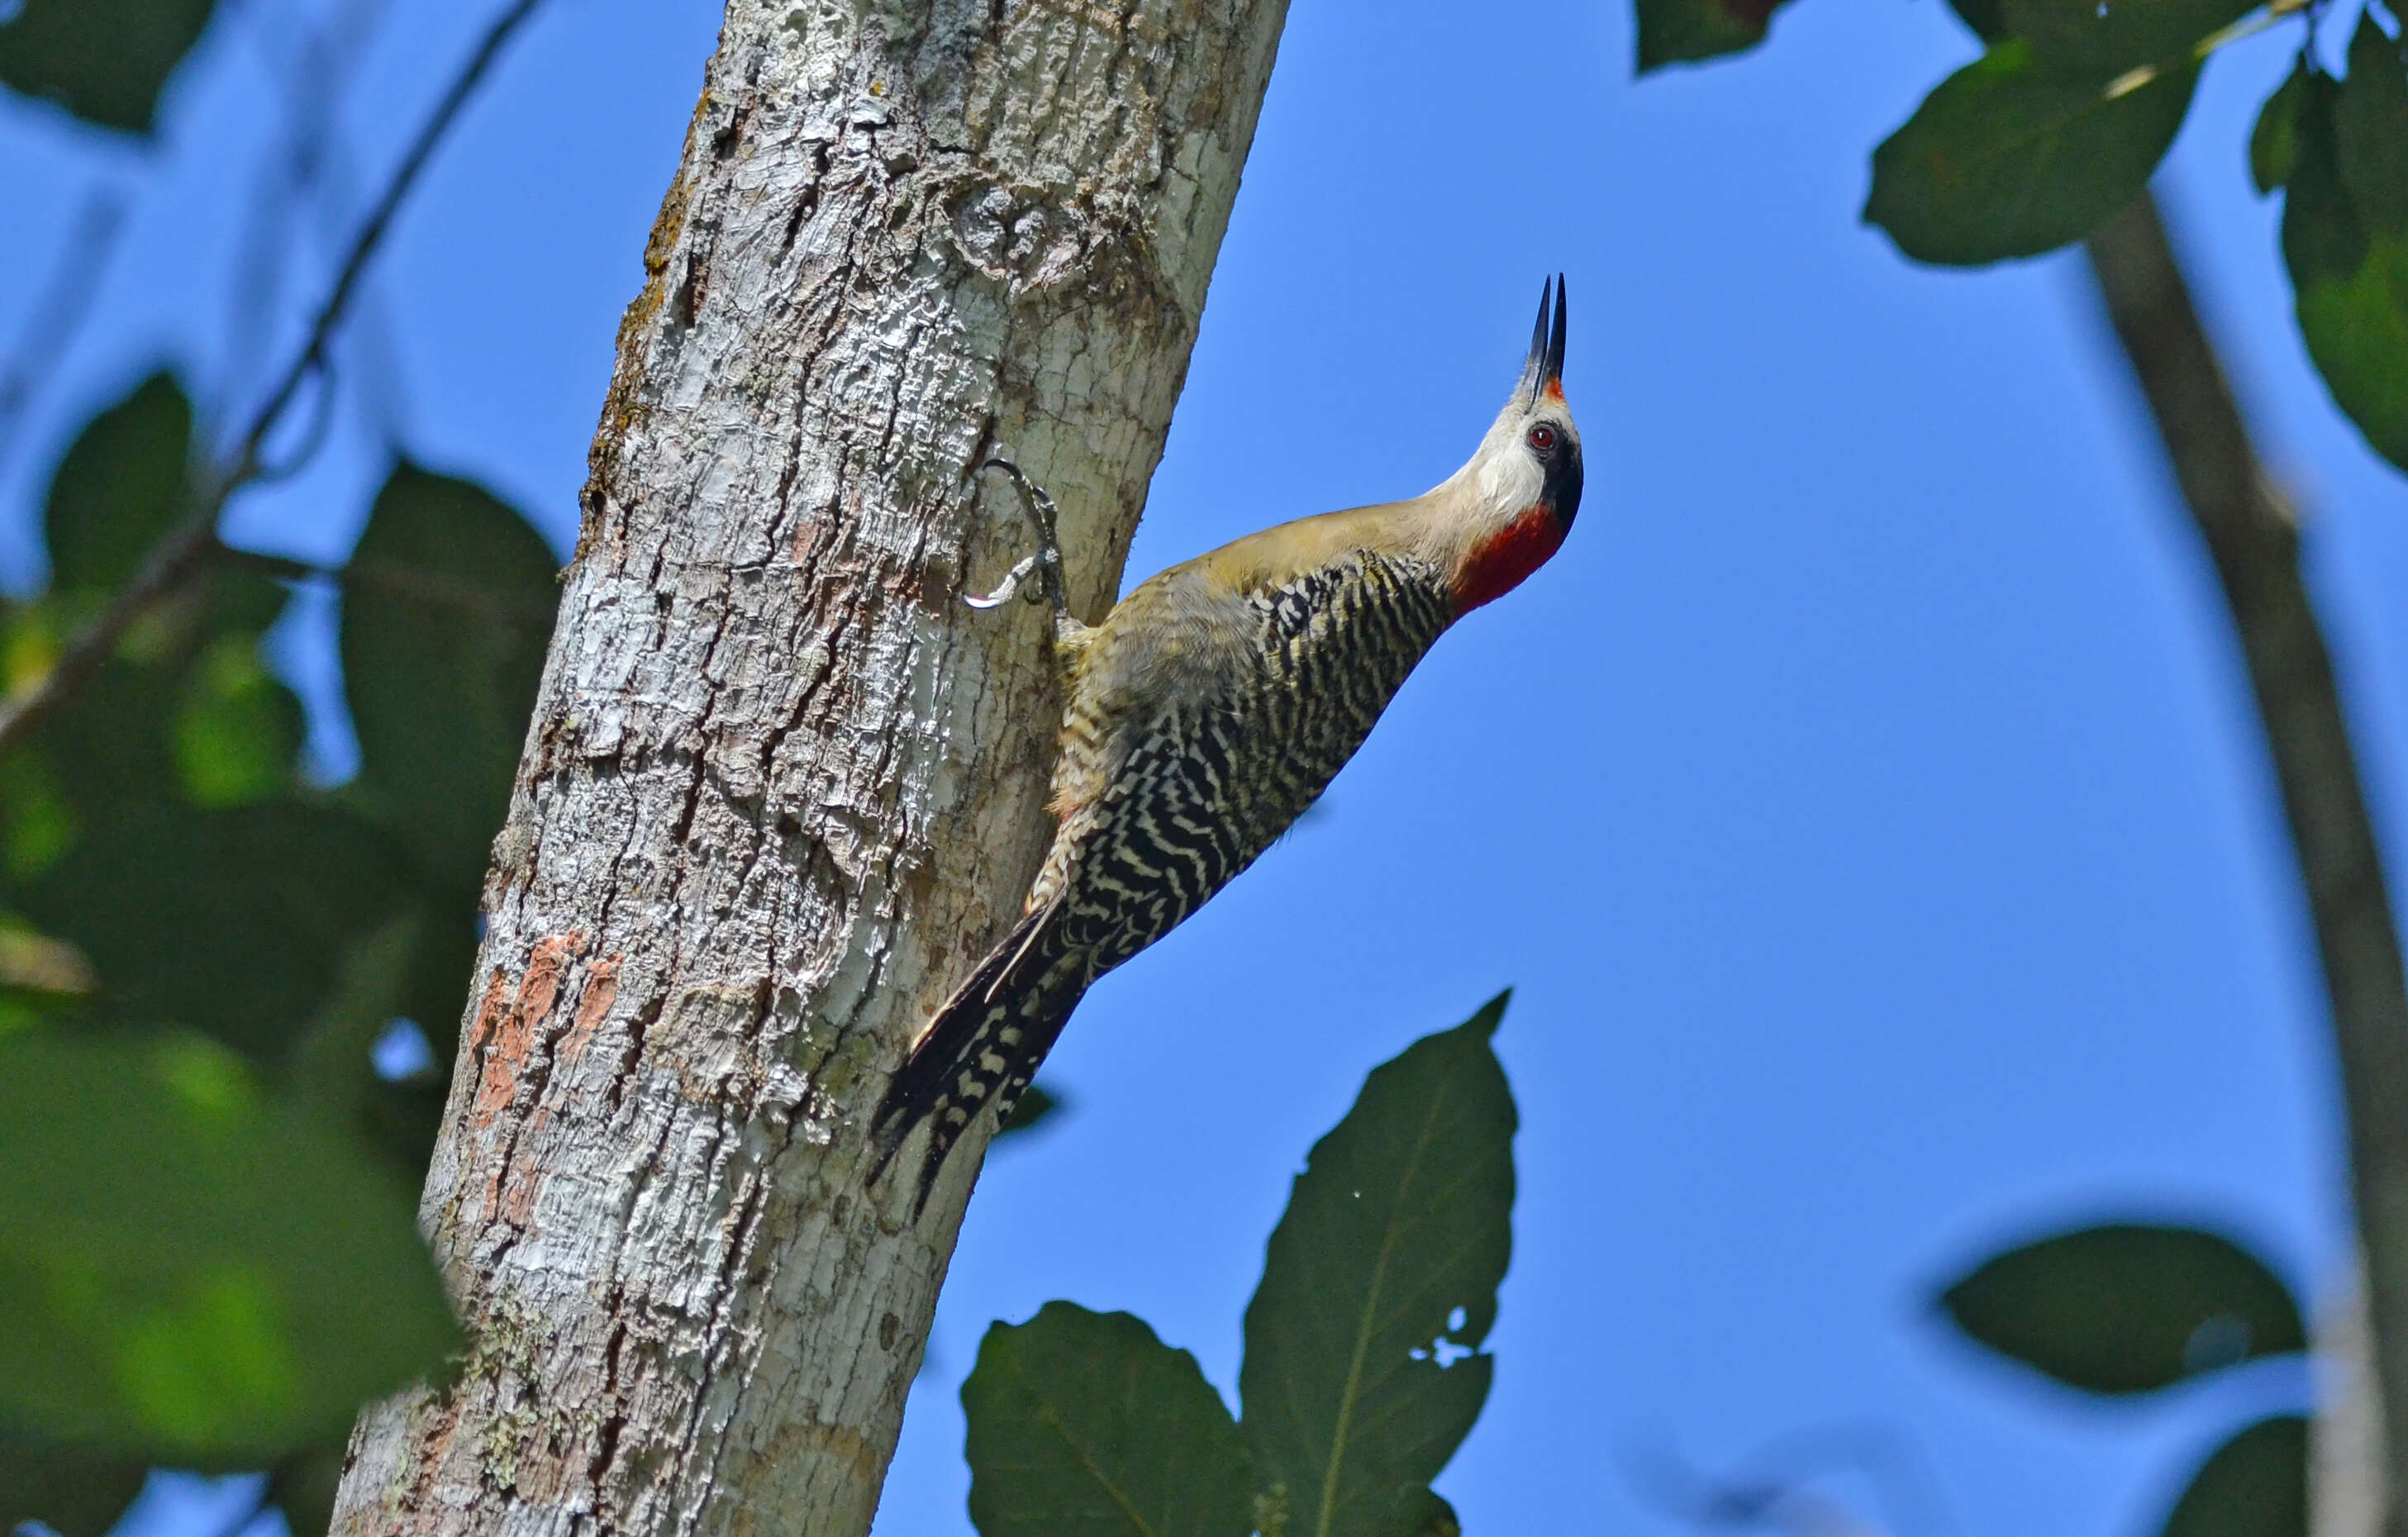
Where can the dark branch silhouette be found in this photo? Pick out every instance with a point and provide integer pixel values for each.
(193, 545)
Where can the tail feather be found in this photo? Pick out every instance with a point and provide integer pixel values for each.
(983, 1045)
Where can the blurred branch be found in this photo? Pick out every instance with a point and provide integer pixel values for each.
(2252, 535)
(192, 546)
(1772, 1489)
(59, 310)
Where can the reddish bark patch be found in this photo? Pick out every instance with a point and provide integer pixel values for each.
(510, 1042)
(601, 991)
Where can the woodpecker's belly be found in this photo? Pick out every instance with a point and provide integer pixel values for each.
(1207, 785)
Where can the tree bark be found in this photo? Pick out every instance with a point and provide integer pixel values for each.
(2251, 536)
(781, 788)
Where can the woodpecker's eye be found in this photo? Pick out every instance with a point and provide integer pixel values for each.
(1542, 438)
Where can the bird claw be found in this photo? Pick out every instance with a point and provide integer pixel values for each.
(1010, 584)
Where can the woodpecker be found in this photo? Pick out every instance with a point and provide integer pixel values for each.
(1209, 709)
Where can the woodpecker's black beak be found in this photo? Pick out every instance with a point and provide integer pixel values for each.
(1544, 370)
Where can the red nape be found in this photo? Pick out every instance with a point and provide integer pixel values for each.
(1497, 567)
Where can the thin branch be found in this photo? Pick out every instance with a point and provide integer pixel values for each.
(2252, 535)
(190, 546)
(59, 312)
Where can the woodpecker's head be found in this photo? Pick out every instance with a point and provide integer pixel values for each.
(1508, 509)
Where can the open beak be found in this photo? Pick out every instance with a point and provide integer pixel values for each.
(1544, 369)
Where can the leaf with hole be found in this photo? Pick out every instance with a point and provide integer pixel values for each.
(1086, 1425)
(1685, 31)
(447, 605)
(2005, 159)
(193, 1272)
(2127, 1307)
(2256, 1485)
(1363, 1369)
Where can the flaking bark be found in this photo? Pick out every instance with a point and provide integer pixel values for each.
(780, 789)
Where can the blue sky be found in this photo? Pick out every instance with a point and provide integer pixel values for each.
(1865, 805)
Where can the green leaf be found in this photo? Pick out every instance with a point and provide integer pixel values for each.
(2349, 282)
(192, 1272)
(2254, 1485)
(238, 732)
(73, 1495)
(120, 486)
(2007, 159)
(1086, 1425)
(1684, 30)
(2100, 39)
(304, 1485)
(331, 1070)
(234, 921)
(447, 607)
(1037, 1105)
(2371, 130)
(1362, 1372)
(2128, 1307)
(103, 59)
(2274, 142)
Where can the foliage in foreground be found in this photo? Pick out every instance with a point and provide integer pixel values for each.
(2058, 125)
(2129, 1309)
(207, 1255)
(1363, 1368)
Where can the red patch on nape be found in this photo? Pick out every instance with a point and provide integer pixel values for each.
(1497, 566)
(1555, 390)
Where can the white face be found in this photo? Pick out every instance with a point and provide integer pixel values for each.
(1508, 473)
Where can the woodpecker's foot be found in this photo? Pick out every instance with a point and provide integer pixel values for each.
(1046, 564)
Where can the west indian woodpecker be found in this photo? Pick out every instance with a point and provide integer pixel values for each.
(1210, 708)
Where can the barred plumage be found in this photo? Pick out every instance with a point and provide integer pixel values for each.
(1208, 711)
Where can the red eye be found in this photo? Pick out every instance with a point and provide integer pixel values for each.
(1542, 438)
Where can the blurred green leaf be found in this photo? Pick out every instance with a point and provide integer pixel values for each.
(2254, 1485)
(1086, 1425)
(234, 921)
(193, 1272)
(238, 732)
(120, 486)
(1986, 19)
(2006, 159)
(2349, 280)
(1362, 1372)
(37, 826)
(73, 1495)
(2127, 1307)
(331, 1070)
(304, 1485)
(2100, 39)
(2274, 142)
(103, 59)
(1037, 1105)
(447, 607)
(442, 965)
(2371, 130)
(1684, 30)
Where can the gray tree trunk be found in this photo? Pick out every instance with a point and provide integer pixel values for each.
(781, 788)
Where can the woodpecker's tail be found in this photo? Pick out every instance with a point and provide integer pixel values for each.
(984, 1044)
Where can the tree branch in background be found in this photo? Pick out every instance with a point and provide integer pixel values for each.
(192, 547)
(2252, 535)
(59, 308)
